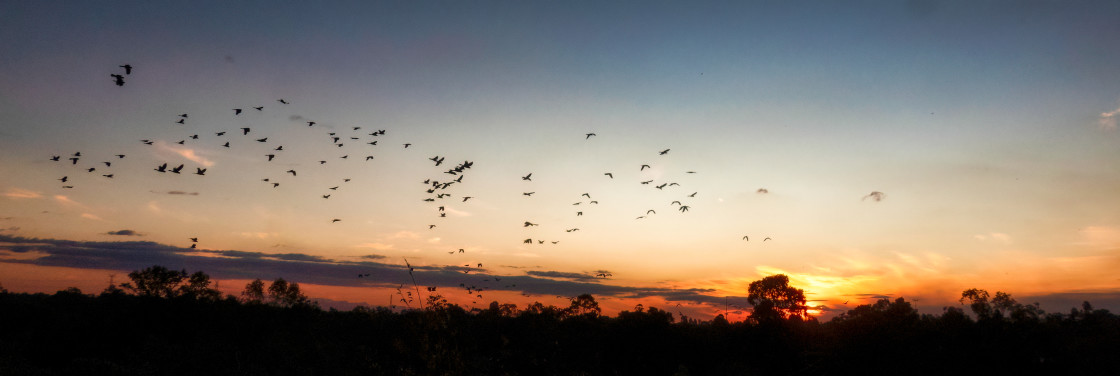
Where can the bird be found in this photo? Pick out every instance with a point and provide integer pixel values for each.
(226, 144)
(747, 238)
(588, 195)
(194, 136)
(431, 227)
(281, 100)
(528, 241)
(177, 169)
(91, 169)
(310, 123)
(465, 198)
(162, 168)
(527, 224)
(262, 139)
(334, 188)
(647, 182)
(182, 121)
(74, 160)
(644, 167)
(55, 157)
(663, 152)
(201, 171)
(127, 68)
(661, 186)
(651, 211)
(407, 145)
(683, 208)
(183, 116)
(589, 135)
(335, 220)
(609, 175)
(693, 194)
(529, 193)
(261, 108)
(762, 191)
(293, 172)
(110, 176)
(876, 195)
(767, 238)
(120, 156)
(674, 202)
(118, 79)
(194, 240)
(237, 111)
(527, 177)
(244, 131)
(279, 148)
(64, 178)
(220, 134)
(326, 196)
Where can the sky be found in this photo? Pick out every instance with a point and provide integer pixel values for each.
(988, 129)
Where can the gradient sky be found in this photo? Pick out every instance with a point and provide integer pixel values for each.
(991, 128)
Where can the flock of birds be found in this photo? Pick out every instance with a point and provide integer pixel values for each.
(437, 188)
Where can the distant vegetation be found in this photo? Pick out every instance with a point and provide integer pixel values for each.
(166, 322)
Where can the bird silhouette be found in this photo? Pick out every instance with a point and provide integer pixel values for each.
(465, 198)
(177, 169)
(120, 156)
(261, 108)
(648, 212)
(609, 175)
(110, 176)
(55, 157)
(127, 68)
(162, 168)
(262, 139)
(226, 144)
(747, 238)
(237, 111)
(762, 191)
(281, 100)
(181, 121)
(876, 195)
(589, 135)
(335, 220)
(244, 131)
(74, 160)
(684, 208)
(118, 79)
(527, 224)
(64, 179)
(767, 238)
(529, 193)
(527, 177)
(663, 152)
(293, 172)
(644, 167)
(201, 171)
(407, 145)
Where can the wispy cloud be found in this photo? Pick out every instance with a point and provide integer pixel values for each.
(997, 237)
(66, 201)
(124, 233)
(91, 216)
(185, 152)
(21, 193)
(1107, 120)
(230, 264)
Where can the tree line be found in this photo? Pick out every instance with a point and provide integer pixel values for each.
(172, 322)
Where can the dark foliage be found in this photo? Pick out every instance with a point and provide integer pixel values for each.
(144, 334)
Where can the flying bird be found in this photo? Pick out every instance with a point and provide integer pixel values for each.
(663, 152)
(527, 177)
(281, 100)
(237, 111)
(589, 135)
(293, 172)
(876, 195)
(610, 175)
(529, 193)
(55, 157)
(683, 208)
(335, 220)
(244, 131)
(262, 139)
(162, 168)
(118, 79)
(177, 169)
(644, 167)
(261, 108)
(201, 171)
(270, 156)
(127, 68)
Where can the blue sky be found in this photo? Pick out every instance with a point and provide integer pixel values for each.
(989, 126)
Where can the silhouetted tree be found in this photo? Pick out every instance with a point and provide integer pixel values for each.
(286, 294)
(254, 292)
(198, 287)
(157, 281)
(584, 305)
(773, 298)
(977, 300)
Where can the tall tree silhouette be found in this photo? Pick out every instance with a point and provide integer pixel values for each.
(773, 298)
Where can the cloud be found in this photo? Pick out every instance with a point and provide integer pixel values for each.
(91, 216)
(66, 201)
(1107, 120)
(997, 237)
(378, 246)
(187, 153)
(124, 233)
(303, 268)
(21, 193)
(374, 257)
(180, 193)
(562, 275)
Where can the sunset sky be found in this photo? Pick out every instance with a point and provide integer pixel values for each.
(989, 128)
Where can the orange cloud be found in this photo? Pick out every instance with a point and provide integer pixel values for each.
(21, 193)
